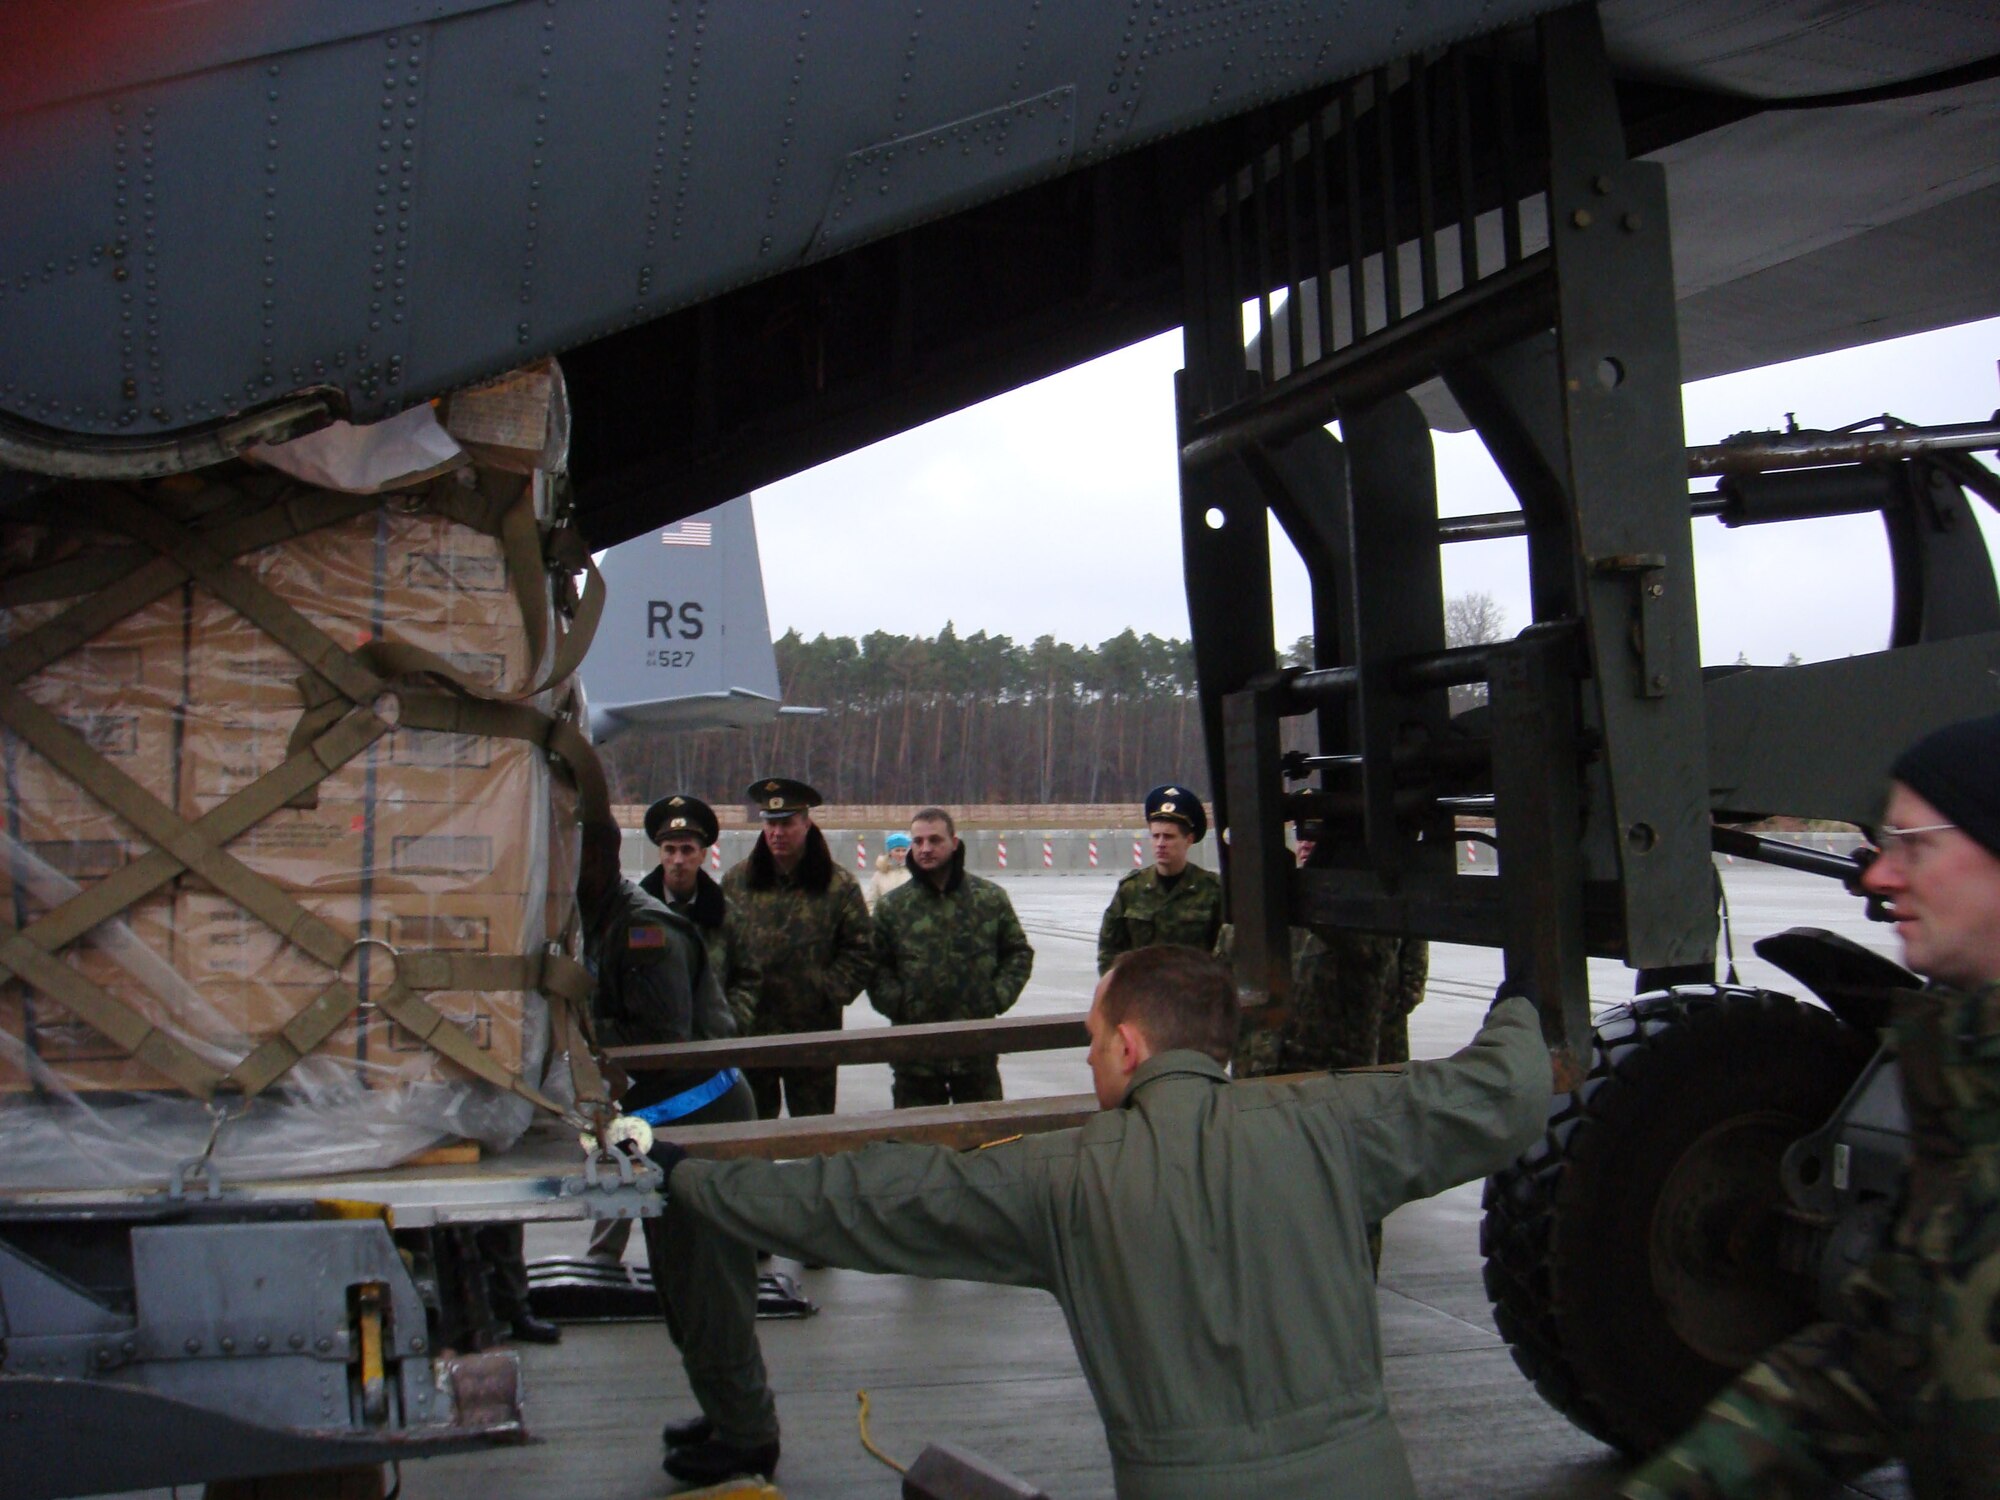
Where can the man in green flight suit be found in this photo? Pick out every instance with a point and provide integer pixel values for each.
(948, 947)
(654, 985)
(1174, 1228)
(1911, 1367)
(1172, 900)
(803, 922)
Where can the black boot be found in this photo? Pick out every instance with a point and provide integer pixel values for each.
(712, 1461)
(529, 1329)
(687, 1434)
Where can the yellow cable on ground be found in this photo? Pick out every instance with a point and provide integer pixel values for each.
(869, 1442)
(734, 1489)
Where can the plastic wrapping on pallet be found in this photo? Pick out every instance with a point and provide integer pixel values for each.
(272, 890)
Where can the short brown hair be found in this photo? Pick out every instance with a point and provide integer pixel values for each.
(1178, 997)
(935, 815)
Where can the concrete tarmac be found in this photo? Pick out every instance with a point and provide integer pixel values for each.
(992, 1369)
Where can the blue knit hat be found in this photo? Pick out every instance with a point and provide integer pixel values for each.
(896, 841)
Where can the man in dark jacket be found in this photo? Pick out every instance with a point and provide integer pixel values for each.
(654, 985)
(803, 922)
(684, 829)
(948, 947)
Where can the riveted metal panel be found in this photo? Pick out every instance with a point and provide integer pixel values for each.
(389, 199)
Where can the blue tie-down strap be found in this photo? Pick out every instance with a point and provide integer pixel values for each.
(688, 1101)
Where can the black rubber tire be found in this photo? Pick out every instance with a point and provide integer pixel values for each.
(1629, 1317)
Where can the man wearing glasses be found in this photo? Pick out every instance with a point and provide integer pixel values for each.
(1912, 1368)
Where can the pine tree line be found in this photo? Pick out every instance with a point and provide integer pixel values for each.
(949, 718)
(975, 718)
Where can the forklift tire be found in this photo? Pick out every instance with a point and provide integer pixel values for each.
(1632, 1255)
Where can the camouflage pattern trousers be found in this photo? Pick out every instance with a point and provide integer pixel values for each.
(1829, 1403)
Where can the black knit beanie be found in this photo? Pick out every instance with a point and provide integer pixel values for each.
(1957, 770)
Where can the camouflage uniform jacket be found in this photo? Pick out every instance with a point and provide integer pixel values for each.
(1223, 1361)
(728, 954)
(1939, 1282)
(654, 984)
(811, 950)
(956, 954)
(1143, 911)
(1343, 985)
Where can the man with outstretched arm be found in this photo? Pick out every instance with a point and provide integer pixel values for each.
(1207, 1240)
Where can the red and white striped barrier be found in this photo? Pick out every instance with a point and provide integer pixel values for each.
(1048, 854)
(1093, 854)
(715, 858)
(1003, 854)
(1138, 856)
(860, 852)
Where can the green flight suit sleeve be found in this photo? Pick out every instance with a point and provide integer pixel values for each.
(886, 990)
(1017, 959)
(653, 996)
(1113, 937)
(848, 967)
(897, 1209)
(1437, 1124)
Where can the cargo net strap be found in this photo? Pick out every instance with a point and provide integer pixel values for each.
(351, 700)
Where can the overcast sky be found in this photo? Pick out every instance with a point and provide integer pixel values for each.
(1053, 510)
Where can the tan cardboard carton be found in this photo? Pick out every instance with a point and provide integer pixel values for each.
(428, 848)
(219, 940)
(133, 959)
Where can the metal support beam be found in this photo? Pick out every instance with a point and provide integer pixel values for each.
(1226, 559)
(957, 1126)
(1260, 864)
(1396, 594)
(1539, 823)
(1619, 361)
(935, 1041)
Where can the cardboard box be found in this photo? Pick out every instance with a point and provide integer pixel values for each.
(432, 848)
(394, 565)
(227, 751)
(122, 693)
(234, 662)
(217, 939)
(133, 959)
(519, 422)
(435, 836)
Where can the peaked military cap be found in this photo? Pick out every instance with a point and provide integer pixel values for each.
(780, 797)
(1174, 803)
(682, 817)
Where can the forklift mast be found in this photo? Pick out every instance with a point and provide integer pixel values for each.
(1468, 227)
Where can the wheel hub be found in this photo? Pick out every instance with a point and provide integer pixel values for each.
(1714, 1241)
